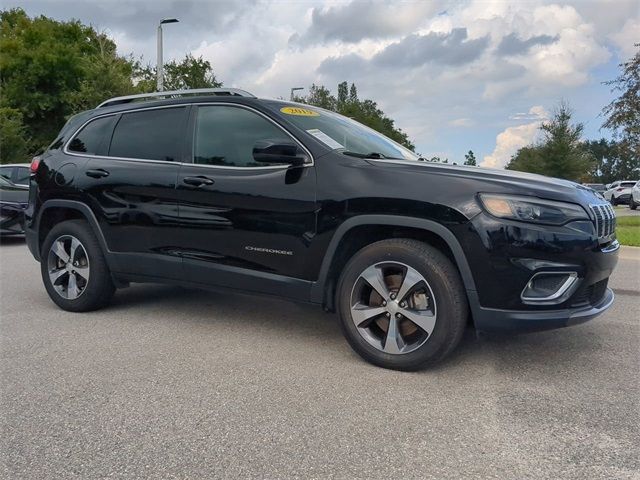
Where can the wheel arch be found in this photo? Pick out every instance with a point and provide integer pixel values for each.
(378, 227)
(53, 212)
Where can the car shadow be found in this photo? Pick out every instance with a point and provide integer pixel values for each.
(12, 240)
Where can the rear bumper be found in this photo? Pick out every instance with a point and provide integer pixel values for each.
(495, 320)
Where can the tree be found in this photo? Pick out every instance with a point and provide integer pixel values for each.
(363, 111)
(623, 113)
(190, 72)
(612, 161)
(470, 159)
(15, 144)
(49, 70)
(560, 154)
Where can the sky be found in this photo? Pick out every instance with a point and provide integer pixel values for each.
(479, 75)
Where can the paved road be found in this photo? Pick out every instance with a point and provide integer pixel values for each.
(172, 383)
(625, 211)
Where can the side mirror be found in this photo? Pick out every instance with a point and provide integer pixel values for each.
(278, 151)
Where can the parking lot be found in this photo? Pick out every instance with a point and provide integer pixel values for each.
(175, 383)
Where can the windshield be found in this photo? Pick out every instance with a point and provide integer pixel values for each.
(344, 134)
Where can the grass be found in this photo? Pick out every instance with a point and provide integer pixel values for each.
(628, 231)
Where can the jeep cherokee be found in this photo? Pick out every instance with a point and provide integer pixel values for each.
(219, 189)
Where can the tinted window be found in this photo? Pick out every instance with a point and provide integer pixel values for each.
(22, 175)
(149, 135)
(627, 184)
(92, 138)
(5, 172)
(226, 136)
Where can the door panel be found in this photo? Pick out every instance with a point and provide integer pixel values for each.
(133, 194)
(243, 216)
(136, 205)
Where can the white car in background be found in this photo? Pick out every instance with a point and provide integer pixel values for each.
(634, 201)
(619, 192)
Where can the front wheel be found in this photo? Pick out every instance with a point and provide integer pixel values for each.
(74, 271)
(632, 204)
(402, 304)
(614, 202)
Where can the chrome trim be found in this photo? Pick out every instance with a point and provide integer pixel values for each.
(66, 151)
(561, 294)
(177, 93)
(604, 217)
(614, 246)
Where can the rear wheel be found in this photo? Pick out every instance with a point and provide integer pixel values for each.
(632, 205)
(74, 271)
(402, 304)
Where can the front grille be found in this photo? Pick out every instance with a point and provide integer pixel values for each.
(605, 219)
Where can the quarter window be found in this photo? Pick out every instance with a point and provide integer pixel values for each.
(226, 135)
(92, 138)
(149, 135)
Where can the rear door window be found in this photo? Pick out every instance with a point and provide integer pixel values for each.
(150, 135)
(21, 176)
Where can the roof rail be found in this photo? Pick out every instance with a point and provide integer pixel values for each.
(174, 94)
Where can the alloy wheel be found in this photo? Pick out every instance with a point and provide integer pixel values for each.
(393, 307)
(68, 267)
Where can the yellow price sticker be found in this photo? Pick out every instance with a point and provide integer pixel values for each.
(302, 112)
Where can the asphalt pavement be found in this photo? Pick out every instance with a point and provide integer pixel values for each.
(186, 384)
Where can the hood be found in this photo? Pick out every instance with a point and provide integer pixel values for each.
(490, 180)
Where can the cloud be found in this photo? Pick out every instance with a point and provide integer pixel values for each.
(461, 122)
(359, 20)
(509, 141)
(453, 48)
(513, 45)
(626, 38)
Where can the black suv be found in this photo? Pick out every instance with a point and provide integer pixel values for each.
(218, 188)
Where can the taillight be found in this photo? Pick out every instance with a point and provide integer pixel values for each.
(620, 189)
(35, 163)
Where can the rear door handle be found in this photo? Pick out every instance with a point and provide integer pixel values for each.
(97, 173)
(198, 181)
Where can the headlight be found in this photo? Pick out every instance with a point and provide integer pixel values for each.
(531, 209)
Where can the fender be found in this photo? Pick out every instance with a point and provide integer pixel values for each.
(318, 288)
(84, 210)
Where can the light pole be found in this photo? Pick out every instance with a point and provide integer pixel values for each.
(294, 89)
(159, 64)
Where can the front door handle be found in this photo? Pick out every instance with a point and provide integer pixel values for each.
(97, 173)
(198, 181)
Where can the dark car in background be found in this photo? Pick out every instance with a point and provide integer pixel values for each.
(17, 173)
(226, 190)
(14, 199)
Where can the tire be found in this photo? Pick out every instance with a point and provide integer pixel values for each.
(92, 287)
(632, 204)
(439, 297)
(614, 201)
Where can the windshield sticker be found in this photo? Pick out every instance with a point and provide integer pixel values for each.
(324, 138)
(301, 112)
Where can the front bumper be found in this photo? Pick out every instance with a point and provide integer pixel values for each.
(519, 321)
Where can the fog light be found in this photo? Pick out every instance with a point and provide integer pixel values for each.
(549, 287)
